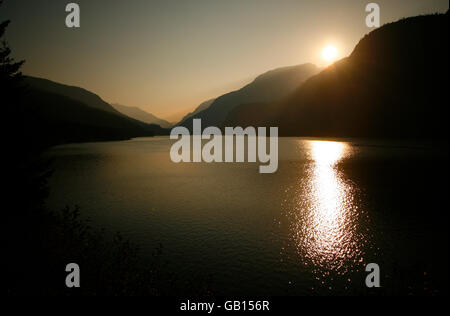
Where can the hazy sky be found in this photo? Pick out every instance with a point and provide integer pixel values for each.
(168, 56)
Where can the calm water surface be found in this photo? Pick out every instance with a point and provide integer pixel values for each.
(332, 207)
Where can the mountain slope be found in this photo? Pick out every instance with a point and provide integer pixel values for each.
(268, 87)
(141, 115)
(85, 97)
(76, 93)
(59, 119)
(203, 106)
(394, 84)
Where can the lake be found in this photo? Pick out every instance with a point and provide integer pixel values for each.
(332, 207)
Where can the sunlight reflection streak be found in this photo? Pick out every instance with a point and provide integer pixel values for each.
(327, 219)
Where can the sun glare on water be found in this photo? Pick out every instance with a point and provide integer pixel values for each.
(327, 215)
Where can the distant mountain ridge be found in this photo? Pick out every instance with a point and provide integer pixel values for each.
(394, 84)
(203, 106)
(141, 115)
(66, 114)
(76, 93)
(267, 87)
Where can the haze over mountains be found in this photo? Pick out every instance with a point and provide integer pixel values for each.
(267, 87)
(203, 106)
(63, 114)
(76, 93)
(141, 115)
(394, 84)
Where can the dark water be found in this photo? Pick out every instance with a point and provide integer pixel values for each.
(310, 228)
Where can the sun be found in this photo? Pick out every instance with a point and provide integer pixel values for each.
(329, 53)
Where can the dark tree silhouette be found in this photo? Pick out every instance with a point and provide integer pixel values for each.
(10, 74)
(9, 69)
(40, 242)
(24, 172)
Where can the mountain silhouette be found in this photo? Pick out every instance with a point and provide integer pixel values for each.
(76, 93)
(64, 114)
(394, 84)
(203, 106)
(141, 115)
(267, 87)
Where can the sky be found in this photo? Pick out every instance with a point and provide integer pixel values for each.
(168, 56)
